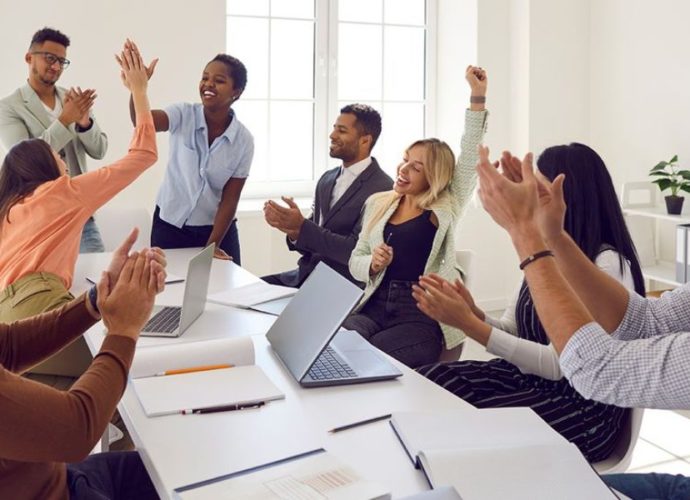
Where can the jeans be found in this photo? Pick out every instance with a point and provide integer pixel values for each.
(391, 321)
(110, 476)
(650, 486)
(165, 235)
(91, 241)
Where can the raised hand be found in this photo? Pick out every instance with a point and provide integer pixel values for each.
(477, 79)
(129, 44)
(381, 258)
(512, 204)
(552, 207)
(133, 70)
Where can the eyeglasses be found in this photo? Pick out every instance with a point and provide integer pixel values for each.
(52, 59)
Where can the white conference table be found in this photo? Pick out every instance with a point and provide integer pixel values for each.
(182, 449)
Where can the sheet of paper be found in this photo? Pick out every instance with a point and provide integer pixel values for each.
(520, 473)
(315, 477)
(153, 360)
(252, 294)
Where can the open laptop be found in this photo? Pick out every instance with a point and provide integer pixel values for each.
(172, 321)
(303, 335)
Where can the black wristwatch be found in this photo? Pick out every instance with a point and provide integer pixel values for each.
(93, 298)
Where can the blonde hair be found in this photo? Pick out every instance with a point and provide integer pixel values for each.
(438, 170)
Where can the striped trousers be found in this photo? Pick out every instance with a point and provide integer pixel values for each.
(593, 427)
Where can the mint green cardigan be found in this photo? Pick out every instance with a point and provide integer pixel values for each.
(442, 256)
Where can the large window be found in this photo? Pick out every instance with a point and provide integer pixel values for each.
(308, 58)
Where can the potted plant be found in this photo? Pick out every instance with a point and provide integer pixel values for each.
(668, 176)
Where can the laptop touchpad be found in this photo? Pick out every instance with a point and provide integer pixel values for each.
(364, 361)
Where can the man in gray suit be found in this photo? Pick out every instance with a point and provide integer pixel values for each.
(59, 116)
(331, 232)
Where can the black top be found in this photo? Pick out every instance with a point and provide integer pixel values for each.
(411, 241)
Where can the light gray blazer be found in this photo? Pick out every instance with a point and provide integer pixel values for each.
(22, 116)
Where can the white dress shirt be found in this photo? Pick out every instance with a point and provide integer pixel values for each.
(347, 176)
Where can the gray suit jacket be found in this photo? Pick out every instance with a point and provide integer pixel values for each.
(22, 116)
(330, 234)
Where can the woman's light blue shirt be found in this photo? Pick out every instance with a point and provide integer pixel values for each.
(196, 173)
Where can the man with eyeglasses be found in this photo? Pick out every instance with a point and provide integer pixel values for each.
(61, 117)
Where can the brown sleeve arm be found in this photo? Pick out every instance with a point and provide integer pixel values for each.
(41, 423)
(27, 342)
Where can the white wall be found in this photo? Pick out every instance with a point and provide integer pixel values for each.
(611, 73)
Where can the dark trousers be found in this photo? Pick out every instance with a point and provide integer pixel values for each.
(391, 321)
(110, 476)
(650, 485)
(166, 235)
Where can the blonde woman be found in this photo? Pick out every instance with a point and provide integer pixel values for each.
(408, 232)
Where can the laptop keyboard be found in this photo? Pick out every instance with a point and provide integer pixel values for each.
(167, 320)
(330, 366)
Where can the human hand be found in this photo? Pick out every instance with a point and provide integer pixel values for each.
(381, 258)
(286, 219)
(133, 70)
(441, 301)
(459, 287)
(134, 48)
(76, 107)
(121, 254)
(477, 79)
(126, 307)
(512, 204)
(552, 207)
(219, 253)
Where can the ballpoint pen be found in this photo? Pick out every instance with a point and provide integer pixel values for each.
(216, 409)
(362, 422)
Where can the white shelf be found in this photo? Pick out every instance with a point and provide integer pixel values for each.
(662, 272)
(658, 213)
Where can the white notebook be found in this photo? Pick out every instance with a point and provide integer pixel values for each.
(497, 453)
(215, 374)
(250, 295)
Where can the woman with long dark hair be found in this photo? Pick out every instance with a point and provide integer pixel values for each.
(527, 372)
(43, 210)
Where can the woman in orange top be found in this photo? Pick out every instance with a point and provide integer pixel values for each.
(42, 210)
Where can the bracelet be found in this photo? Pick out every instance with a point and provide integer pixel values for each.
(478, 99)
(93, 298)
(535, 256)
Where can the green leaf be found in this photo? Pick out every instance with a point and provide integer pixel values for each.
(663, 184)
(659, 166)
(685, 174)
(685, 188)
(674, 159)
(660, 173)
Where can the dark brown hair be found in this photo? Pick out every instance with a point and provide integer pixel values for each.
(27, 165)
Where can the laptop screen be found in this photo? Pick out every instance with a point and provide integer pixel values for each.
(311, 318)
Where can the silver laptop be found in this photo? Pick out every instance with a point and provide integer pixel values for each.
(170, 321)
(306, 338)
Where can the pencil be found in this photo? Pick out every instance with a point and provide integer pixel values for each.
(192, 369)
(357, 424)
